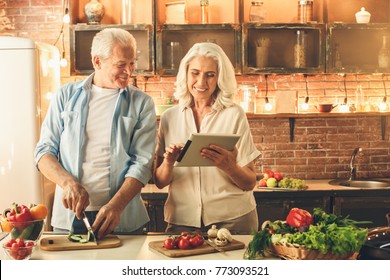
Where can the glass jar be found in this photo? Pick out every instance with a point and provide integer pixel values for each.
(384, 53)
(300, 49)
(257, 12)
(247, 96)
(204, 11)
(305, 11)
(174, 55)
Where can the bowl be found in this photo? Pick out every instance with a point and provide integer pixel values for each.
(325, 108)
(30, 230)
(19, 249)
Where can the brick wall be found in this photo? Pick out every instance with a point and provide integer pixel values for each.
(322, 145)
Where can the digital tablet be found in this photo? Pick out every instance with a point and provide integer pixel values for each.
(190, 155)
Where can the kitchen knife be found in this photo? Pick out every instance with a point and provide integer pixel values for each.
(89, 228)
(215, 246)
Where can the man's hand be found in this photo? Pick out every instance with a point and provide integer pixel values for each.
(75, 198)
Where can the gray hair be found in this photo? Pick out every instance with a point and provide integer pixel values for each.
(226, 85)
(105, 40)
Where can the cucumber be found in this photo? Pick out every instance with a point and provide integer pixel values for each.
(15, 233)
(74, 237)
(78, 238)
(38, 225)
(27, 232)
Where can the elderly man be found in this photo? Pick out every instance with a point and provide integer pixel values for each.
(97, 143)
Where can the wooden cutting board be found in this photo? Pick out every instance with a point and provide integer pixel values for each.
(204, 249)
(61, 243)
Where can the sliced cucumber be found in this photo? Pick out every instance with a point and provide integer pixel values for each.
(78, 238)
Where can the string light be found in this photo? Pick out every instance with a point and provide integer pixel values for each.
(65, 19)
(305, 105)
(267, 105)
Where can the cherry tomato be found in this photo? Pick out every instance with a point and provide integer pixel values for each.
(169, 243)
(184, 244)
(185, 235)
(197, 240)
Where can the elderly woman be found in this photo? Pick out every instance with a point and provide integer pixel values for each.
(223, 193)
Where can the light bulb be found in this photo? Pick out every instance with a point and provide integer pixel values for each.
(63, 62)
(344, 108)
(305, 105)
(66, 18)
(267, 105)
(383, 107)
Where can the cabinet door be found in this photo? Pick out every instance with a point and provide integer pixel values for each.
(278, 208)
(283, 48)
(355, 48)
(174, 41)
(367, 208)
(81, 39)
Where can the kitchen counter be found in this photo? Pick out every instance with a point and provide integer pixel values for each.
(150, 191)
(358, 203)
(133, 247)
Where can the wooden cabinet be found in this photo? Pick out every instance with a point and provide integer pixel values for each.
(283, 48)
(81, 40)
(361, 205)
(174, 40)
(335, 43)
(363, 208)
(278, 206)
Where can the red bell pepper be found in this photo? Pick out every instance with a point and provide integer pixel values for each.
(19, 214)
(299, 218)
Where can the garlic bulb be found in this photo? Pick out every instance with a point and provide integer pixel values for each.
(212, 232)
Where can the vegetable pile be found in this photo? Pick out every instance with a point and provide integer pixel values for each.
(24, 222)
(327, 233)
(273, 179)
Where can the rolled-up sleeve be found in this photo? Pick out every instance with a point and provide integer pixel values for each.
(143, 143)
(51, 130)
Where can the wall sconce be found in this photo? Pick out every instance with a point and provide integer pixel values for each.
(267, 105)
(305, 105)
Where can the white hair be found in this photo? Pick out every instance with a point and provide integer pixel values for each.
(105, 40)
(226, 85)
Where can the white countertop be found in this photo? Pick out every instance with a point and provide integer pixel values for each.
(133, 247)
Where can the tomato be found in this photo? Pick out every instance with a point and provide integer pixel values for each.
(185, 235)
(169, 243)
(39, 212)
(184, 244)
(197, 241)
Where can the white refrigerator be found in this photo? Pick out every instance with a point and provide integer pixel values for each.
(28, 72)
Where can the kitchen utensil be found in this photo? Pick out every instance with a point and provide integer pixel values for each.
(89, 228)
(203, 249)
(325, 108)
(212, 244)
(62, 243)
(377, 246)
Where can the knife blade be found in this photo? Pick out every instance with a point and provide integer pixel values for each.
(89, 228)
(215, 246)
